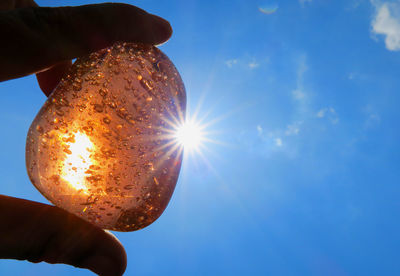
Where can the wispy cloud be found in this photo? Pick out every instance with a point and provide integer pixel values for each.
(259, 130)
(273, 139)
(231, 62)
(247, 62)
(372, 120)
(298, 93)
(278, 142)
(330, 113)
(357, 76)
(270, 142)
(293, 129)
(287, 138)
(372, 117)
(302, 68)
(253, 65)
(321, 113)
(282, 139)
(387, 23)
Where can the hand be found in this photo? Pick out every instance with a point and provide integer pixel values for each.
(43, 41)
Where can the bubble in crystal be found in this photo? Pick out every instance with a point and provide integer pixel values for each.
(106, 152)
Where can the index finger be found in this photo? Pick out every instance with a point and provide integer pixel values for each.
(36, 38)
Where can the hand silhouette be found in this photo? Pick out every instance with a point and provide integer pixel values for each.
(43, 41)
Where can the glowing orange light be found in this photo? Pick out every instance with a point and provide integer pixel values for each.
(101, 146)
(78, 161)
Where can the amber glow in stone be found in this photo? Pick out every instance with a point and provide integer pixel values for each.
(102, 146)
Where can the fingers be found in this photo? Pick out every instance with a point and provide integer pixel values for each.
(49, 79)
(14, 4)
(34, 38)
(37, 232)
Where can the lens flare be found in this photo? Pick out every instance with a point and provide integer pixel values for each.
(189, 135)
(268, 9)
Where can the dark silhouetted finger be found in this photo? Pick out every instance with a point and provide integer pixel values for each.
(49, 79)
(37, 232)
(16, 4)
(35, 38)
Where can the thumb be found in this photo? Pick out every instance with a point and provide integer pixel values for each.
(38, 232)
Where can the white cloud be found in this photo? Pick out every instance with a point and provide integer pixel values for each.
(270, 139)
(372, 117)
(330, 113)
(293, 129)
(372, 120)
(387, 23)
(246, 61)
(259, 130)
(335, 120)
(302, 67)
(357, 76)
(278, 142)
(321, 113)
(231, 62)
(298, 93)
(253, 65)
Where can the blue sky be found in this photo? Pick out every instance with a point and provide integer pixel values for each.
(304, 179)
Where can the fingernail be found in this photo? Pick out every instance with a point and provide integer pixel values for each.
(102, 265)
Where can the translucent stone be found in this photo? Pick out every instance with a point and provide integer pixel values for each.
(102, 146)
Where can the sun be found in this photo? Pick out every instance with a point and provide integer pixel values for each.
(190, 135)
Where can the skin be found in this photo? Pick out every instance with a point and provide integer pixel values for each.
(43, 41)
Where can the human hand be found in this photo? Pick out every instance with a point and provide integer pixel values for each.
(45, 40)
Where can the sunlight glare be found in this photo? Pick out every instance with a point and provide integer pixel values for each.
(77, 161)
(189, 135)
